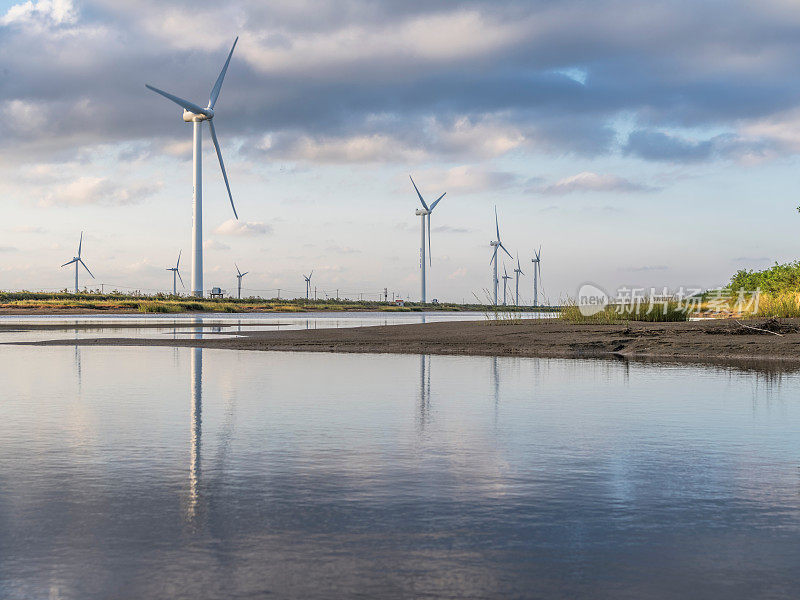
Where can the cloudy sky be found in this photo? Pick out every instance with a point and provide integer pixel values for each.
(639, 143)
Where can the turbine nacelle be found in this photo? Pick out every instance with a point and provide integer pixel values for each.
(191, 117)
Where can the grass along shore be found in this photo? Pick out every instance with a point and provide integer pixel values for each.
(65, 302)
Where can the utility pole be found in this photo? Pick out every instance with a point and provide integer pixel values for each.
(385, 294)
(279, 293)
(315, 293)
(337, 294)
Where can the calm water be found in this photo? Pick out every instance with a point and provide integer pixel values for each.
(188, 473)
(218, 324)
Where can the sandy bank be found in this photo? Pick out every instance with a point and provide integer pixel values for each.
(705, 341)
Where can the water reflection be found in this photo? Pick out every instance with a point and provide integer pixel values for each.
(596, 479)
(424, 389)
(196, 377)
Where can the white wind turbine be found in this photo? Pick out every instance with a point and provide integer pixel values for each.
(192, 113)
(176, 272)
(308, 283)
(425, 213)
(497, 245)
(537, 271)
(518, 272)
(506, 277)
(78, 260)
(239, 276)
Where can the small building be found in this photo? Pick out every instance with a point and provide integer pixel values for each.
(216, 292)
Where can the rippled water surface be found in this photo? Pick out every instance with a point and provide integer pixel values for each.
(188, 473)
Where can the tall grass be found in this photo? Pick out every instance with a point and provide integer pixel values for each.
(785, 305)
(497, 314)
(658, 312)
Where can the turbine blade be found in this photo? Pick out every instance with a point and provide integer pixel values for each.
(80, 243)
(430, 259)
(237, 268)
(418, 194)
(85, 267)
(218, 85)
(221, 164)
(245, 273)
(178, 273)
(190, 106)
(312, 272)
(178, 264)
(496, 224)
(69, 263)
(436, 201)
(507, 252)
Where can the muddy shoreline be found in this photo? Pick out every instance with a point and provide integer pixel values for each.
(717, 341)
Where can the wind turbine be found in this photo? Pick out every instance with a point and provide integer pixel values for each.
(497, 244)
(192, 113)
(537, 270)
(239, 276)
(308, 282)
(506, 277)
(175, 272)
(78, 260)
(518, 272)
(425, 213)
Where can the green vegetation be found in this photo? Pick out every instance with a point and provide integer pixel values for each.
(658, 312)
(779, 290)
(162, 303)
(777, 279)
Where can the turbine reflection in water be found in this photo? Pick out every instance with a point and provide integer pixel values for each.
(424, 389)
(196, 381)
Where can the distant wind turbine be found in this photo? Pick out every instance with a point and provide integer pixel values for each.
(239, 276)
(192, 113)
(308, 282)
(518, 272)
(425, 213)
(176, 272)
(497, 244)
(78, 260)
(537, 271)
(506, 277)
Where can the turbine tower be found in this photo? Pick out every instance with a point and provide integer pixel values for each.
(497, 244)
(518, 272)
(506, 277)
(192, 113)
(239, 276)
(78, 260)
(176, 272)
(425, 213)
(308, 282)
(536, 274)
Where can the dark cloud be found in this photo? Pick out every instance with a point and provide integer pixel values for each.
(656, 145)
(401, 81)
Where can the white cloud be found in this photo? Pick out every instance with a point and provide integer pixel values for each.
(212, 244)
(592, 182)
(98, 190)
(42, 12)
(243, 228)
(463, 179)
(359, 148)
